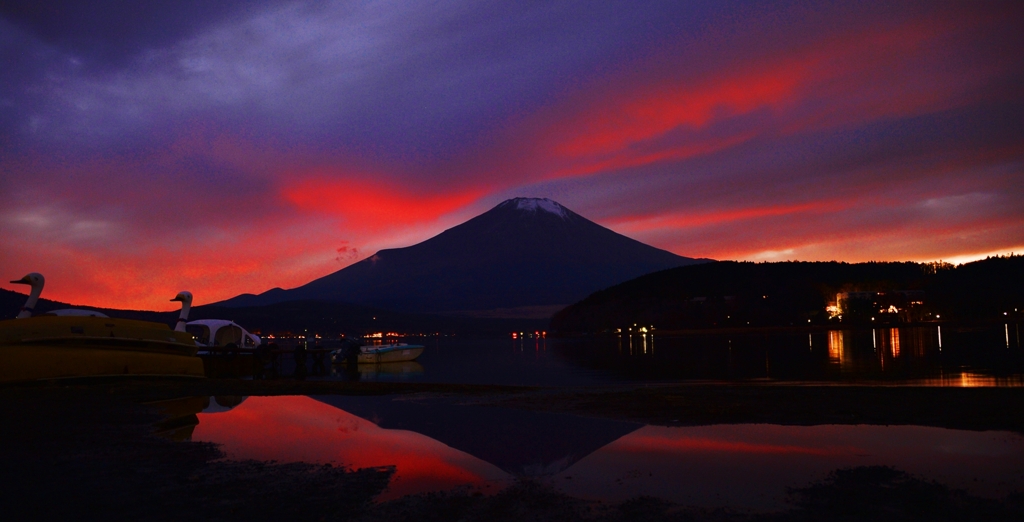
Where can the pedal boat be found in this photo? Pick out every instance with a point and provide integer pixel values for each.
(221, 335)
(81, 343)
(383, 353)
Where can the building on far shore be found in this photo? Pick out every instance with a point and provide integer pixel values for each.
(898, 306)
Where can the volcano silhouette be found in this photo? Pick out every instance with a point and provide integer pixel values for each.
(524, 257)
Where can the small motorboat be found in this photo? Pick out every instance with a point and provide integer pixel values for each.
(221, 335)
(377, 354)
(84, 343)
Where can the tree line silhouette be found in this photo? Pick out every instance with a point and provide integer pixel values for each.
(728, 294)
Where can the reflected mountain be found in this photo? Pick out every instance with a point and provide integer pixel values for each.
(436, 446)
(519, 442)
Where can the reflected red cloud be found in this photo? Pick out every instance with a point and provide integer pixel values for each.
(300, 429)
(370, 205)
(750, 466)
(648, 442)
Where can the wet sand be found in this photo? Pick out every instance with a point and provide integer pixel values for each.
(77, 449)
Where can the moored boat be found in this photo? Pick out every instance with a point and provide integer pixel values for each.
(213, 335)
(72, 343)
(382, 353)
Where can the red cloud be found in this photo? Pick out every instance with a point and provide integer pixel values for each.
(366, 205)
(653, 112)
(858, 76)
(711, 217)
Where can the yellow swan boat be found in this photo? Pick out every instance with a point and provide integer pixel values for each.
(81, 343)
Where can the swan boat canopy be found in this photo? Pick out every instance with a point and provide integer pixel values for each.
(83, 343)
(220, 333)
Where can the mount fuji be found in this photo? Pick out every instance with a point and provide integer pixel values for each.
(526, 257)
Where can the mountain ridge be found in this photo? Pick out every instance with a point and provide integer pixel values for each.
(523, 253)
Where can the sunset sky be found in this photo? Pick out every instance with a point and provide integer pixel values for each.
(236, 146)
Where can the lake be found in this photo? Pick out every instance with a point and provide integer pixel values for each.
(446, 443)
(439, 444)
(928, 356)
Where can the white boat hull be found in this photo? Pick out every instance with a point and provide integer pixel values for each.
(387, 353)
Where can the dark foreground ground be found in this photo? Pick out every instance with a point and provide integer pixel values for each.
(90, 450)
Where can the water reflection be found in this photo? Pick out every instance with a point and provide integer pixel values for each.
(294, 429)
(750, 466)
(741, 466)
(406, 370)
(835, 346)
(916, 355)
(927, 355)
(972, 380)
(520, 442)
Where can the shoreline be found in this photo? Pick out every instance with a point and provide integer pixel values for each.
(667, 404)
(954, 326)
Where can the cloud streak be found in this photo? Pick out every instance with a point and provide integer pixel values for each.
(265, 145)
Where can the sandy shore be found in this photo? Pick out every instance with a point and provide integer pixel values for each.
(89, 448)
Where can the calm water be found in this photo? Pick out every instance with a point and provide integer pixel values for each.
(439, 445)
(902, 356)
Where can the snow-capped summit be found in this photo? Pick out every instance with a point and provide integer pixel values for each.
(535, 204)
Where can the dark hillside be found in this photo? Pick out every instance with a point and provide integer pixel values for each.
(736, 294)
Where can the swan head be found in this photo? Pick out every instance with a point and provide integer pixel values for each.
(34, 279)
(184, 297)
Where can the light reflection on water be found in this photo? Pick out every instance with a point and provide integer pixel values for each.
(742, 466)
(915, 356)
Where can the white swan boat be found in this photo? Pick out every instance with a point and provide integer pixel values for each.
(381, 353)
(84, 343)
(221, 335)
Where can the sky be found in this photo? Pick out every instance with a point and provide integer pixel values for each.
(231, 147)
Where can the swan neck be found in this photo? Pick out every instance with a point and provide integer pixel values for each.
(183, 316)
(30, 304)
